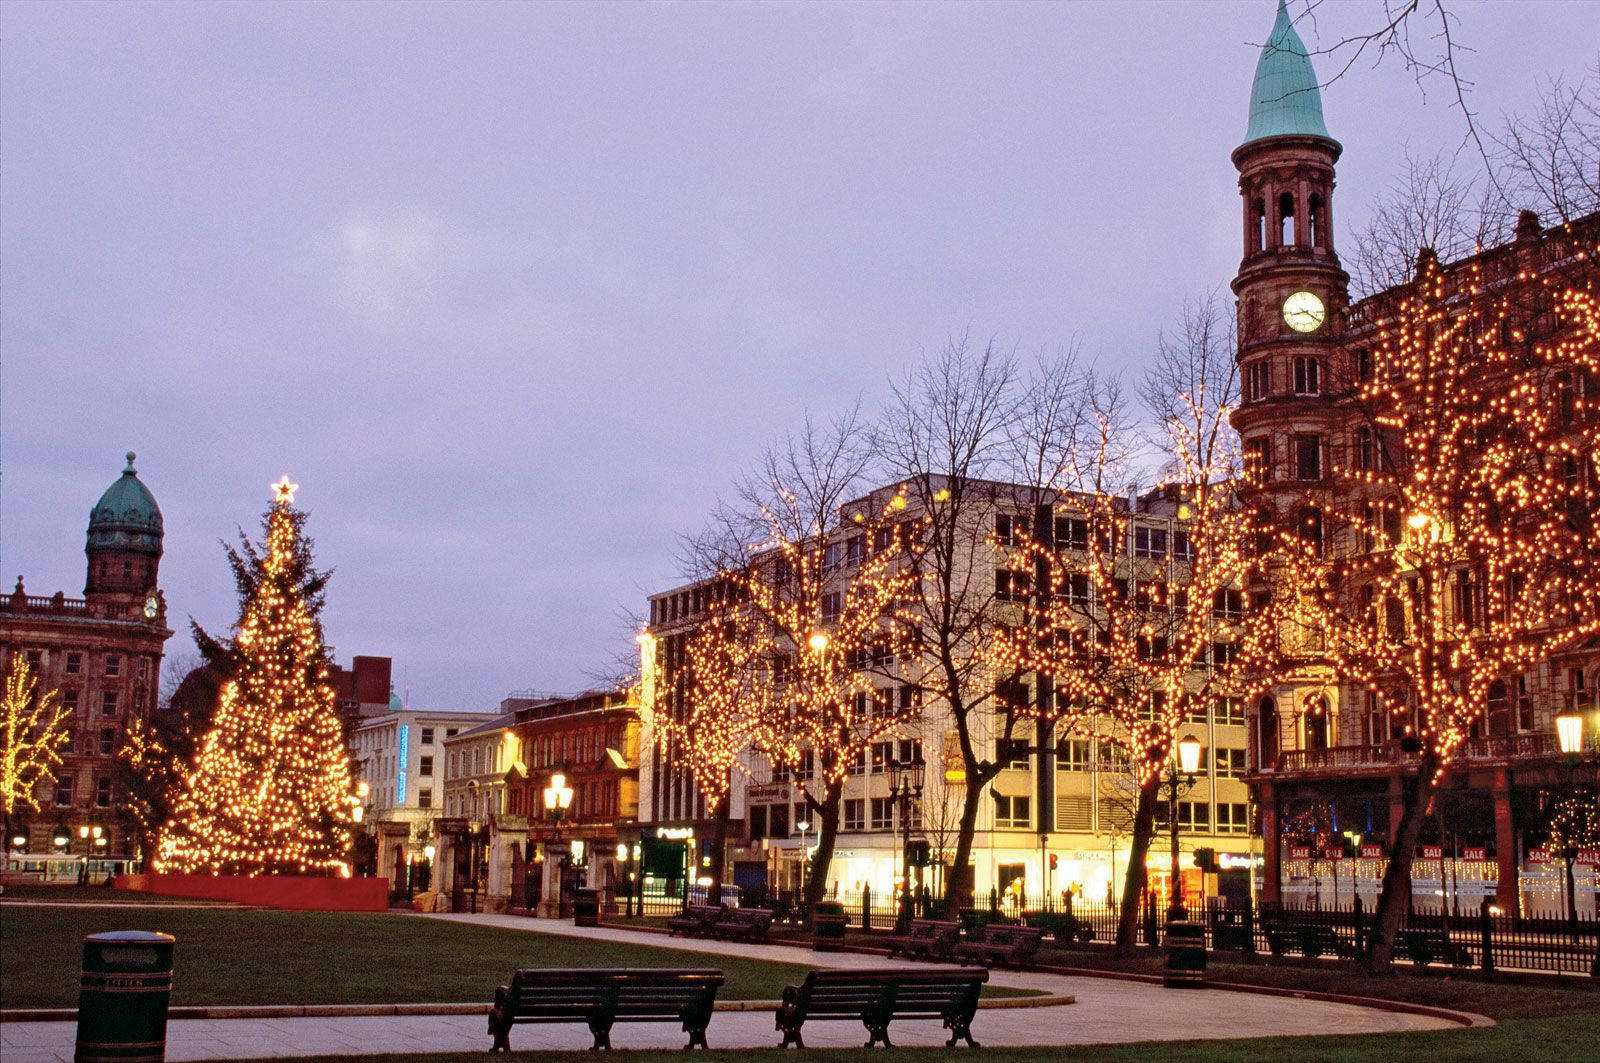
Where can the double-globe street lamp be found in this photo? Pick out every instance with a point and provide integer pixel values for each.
(557, 799)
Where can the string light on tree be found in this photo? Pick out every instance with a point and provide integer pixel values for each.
(270, 790)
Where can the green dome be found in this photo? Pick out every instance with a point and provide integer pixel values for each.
(1285, 100)
(126, 517)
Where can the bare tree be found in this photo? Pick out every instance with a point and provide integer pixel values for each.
(949, 427)
(818, 583)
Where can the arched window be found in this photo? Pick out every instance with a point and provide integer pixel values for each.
(1258, 225)
(1286, 220)
(1267, 741)
(1314, 219)
(1316, 723)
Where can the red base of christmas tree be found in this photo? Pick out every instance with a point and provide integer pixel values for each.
(300, 892)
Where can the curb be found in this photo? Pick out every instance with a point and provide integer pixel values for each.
(313, 1011)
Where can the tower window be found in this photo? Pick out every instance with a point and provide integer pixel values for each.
(1286, 220)
(1307, 376)
(1308, 457)
(1258, 224)
(1258, 458)
(1258, 380)
(1314, 221)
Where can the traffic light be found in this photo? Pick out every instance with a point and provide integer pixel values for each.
(1052, 861)
(1205, 859)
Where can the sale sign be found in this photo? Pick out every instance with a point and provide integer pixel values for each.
(1432, 852)
(1473, 853)
(1300, 852)
(1372, 852)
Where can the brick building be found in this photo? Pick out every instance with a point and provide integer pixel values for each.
(592, 740)
(1319, 752)
(103, 653)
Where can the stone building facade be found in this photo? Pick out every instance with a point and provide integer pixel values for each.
(103, 652)
(1319, 752)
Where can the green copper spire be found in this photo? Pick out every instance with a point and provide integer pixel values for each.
(1285, 101)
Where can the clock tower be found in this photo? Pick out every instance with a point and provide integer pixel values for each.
(124, 544)
(1291, 292)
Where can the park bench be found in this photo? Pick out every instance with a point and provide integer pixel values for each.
(1424, 945)
(695, 921)
(742, 924)
(1001, 945)
(600, 997)
(1310, 941)
(876, 998)
(926, 939)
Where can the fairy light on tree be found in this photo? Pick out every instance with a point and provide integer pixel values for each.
(34, 728)
(270, 790)
(822, 634)
(1138, 642)
(1470, 552)
(724, 712)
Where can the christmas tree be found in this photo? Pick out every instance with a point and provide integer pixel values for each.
(269, 791)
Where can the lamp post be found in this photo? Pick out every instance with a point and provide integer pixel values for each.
(1569, 737)
(905, 786)
(1188, 763)
(557, 799)
(428, 852)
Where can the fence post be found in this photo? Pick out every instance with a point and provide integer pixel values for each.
(1361, 929)
(1594, 971)
(1486, 932)
(866, 907)
(1249, 922)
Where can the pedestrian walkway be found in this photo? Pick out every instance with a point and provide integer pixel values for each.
(1106, 1011)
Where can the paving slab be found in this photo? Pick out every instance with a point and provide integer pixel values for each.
(1107, 1011)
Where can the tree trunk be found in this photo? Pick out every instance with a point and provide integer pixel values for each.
(959, 885)
(718, 845)
(1144, 818)
(1415, 794)
(828, 833)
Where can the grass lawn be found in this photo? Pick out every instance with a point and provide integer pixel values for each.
(1548, 1040)
(260, 956)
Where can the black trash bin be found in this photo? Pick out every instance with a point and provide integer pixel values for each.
(586, 907)
(1186, 954)
(828, 921)
(123, 997)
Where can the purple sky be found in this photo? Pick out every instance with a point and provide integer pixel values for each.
(514, 290)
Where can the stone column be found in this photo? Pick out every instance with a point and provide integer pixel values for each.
(1505, 843)
(1271, 849)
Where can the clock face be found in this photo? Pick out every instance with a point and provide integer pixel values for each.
(151, 607)
(1304, 312)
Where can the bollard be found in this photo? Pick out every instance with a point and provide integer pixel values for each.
(123, 997)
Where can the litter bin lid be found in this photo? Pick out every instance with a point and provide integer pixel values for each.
(130, 937)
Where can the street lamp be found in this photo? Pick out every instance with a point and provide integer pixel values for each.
(818, 642)
(905, 786)
(1186, 762)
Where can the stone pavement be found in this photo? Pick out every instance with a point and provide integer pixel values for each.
(1106, 1011)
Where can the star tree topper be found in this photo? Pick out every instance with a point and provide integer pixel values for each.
(284, 491)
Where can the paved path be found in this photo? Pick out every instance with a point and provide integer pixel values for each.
(1106, 1011)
